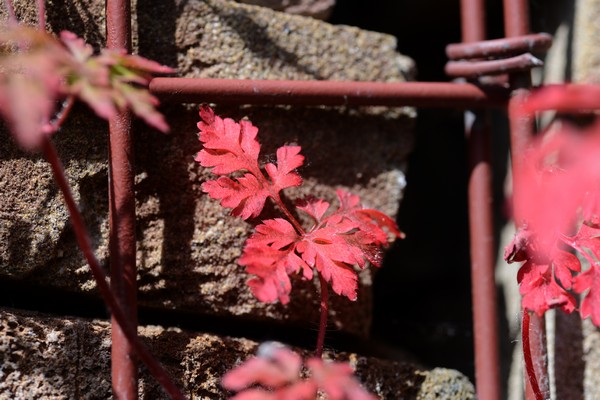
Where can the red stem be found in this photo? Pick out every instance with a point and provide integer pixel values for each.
(10, 9)
(61, 116)
(324, 314)
(277, 199)
(41, 5)
(529, 368)
(155, 368)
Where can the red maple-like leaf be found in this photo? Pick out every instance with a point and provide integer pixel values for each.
(332, 246)
(337, 241)
(277, 371)
(544, 278)
(231, 147)
(540, 291)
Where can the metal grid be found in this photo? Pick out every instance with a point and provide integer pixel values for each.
(513, 59)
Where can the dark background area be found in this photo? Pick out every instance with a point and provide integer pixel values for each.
(423, 294)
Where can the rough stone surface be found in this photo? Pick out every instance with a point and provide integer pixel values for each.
(69, 358)
(187, 243)
(446, 384)
(586, 55)
(320, 9)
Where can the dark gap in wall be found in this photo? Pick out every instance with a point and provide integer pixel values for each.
(65, 304)
(423, 294)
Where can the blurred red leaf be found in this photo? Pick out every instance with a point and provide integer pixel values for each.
(37, 71)
(277, 371)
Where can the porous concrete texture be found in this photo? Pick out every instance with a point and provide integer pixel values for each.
(586, 52)
(69, 358)
(188, 244)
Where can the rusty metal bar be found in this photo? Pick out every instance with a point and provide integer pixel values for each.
(537, 42)
(483, 285)
(474, 69)
(483, 288)
(419, 94)
(122, 216)
(516, 18)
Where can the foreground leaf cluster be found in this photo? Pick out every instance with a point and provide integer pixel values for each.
(338, 239)
(557, 189)
(276, 374)
(37, 70)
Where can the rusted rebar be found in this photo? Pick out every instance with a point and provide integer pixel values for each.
(537, 42)
(122, 216)
(483, 288)
(475, 69)
(419, 94)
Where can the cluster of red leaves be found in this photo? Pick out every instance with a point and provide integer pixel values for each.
(558, 188)
(278, 372)
(37, 70)
(337, 240)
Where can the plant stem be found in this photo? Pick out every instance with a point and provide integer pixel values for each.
(61, 116)
(324, 315)
(10, 9)
(288, 213)
(41, 5)
(529, 368)
(83, 240)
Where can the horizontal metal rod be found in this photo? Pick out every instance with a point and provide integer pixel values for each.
(538, 42)
(474, 69)
(418, 94)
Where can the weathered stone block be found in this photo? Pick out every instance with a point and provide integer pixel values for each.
(69, 358)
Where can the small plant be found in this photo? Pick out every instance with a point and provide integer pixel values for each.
(278, 373)
(39, 70)
(336, 241)
(557, 189)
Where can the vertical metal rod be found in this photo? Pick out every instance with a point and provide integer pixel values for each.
(122, 216)
(516, 17)
(483, 287)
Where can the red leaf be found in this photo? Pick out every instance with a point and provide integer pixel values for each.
(564, 265)
(269, 254)
(540, 291)
(327, 250)
(246, 196)
(31, 81)
(274, 366)
(336, 380)
(228, 146)
(314, 207)
(519, 249)
(563, 98)
(277, 370)
(231, 147)
(282, 175)
(589, 282)
(270, 267)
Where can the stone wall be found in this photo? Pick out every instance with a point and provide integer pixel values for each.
(187, 244)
